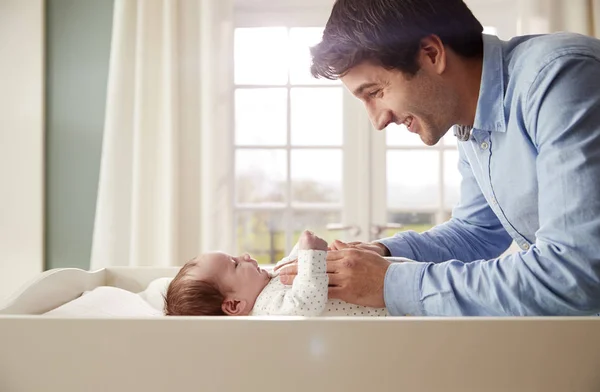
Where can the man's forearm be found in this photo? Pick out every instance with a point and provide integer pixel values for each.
(454, 239)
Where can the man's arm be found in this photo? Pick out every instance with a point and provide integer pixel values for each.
(474, 231)
(560, 274)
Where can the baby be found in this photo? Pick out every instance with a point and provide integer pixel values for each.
(216, 284)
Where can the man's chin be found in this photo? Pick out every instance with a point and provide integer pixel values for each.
(428, 139)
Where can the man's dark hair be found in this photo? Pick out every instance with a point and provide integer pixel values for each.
(388, 33)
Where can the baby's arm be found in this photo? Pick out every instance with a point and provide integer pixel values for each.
(308, 294)
(292, 256)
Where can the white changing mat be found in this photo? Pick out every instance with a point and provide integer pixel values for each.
(106, 301)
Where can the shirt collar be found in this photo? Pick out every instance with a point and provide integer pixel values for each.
(489, 115)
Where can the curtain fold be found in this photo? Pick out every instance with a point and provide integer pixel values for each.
(160, 98)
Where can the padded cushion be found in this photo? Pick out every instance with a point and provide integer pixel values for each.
(155, 292)
(105, 301)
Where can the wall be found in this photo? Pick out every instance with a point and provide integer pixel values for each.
(78, 50)
(21, 142)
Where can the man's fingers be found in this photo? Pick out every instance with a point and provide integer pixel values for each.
(288, 274)
(336, 245)
(289, 269)
(284, 264)
(336, 255)
(335, 280)
(335, 292)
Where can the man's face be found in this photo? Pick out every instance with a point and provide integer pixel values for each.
(421, 102)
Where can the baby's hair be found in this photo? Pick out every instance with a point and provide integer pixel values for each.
(187, 296)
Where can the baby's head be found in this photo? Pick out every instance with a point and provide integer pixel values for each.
(216, 284)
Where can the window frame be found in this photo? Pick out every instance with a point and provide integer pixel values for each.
(289, 17)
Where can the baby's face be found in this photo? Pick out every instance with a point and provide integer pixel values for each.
(239, 277)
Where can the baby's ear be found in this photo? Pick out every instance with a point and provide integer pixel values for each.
(234, 307)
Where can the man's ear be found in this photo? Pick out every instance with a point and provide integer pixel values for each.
(234, 307)
(433, 53)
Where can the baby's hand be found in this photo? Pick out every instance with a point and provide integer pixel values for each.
(309, 240)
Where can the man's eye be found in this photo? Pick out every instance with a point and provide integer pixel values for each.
(374, 94)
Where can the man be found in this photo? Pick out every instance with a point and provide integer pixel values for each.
(527, 116)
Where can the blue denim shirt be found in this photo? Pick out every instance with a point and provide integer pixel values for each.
(530, 173)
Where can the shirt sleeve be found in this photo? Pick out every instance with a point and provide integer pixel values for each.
(474, 232)
(560, 273)
(308, 294)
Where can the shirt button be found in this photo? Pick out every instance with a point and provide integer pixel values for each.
(526, 246)
(494, 202)
(484, 146)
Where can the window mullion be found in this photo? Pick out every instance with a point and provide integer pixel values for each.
(288, 210)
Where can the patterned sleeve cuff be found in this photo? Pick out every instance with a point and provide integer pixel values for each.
(312, 263)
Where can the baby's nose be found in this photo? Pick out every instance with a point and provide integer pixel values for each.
(246, 257)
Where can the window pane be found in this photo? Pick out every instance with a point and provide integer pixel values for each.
(317, 116)
(449, 138)
(261, 116)
(260, 55)
(490, 30)
(452, 179)
(317, 176)
(412, 179)
(316, 221)
(399, 135)
(418, 221)
(260, 176)
(262, 235)
(301, 39)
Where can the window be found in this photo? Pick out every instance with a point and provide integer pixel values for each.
(288, 141)
(422, 182)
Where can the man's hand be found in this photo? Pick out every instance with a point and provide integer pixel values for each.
(355, 276)
(376, 247)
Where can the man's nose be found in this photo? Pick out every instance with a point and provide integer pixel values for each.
(381, 119)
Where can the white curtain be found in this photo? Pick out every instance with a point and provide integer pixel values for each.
(545, 16)
(169, 76)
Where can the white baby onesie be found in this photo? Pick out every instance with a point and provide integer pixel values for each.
(307, 296)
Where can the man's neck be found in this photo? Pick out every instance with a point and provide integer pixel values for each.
(468, 84)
